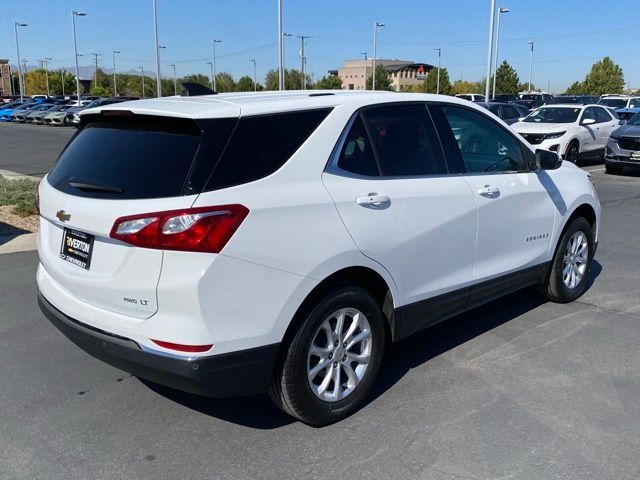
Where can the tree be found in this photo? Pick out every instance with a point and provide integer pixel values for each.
(430, 84)
(383, 79)
(225, 82)
(576, 88)
(524, 86)
(605, 77)
(35, 82)
(460, 86)
(195, 78)
(506, 79)
(100, 91)
(332, 82)
(245, 84)
(292, 79)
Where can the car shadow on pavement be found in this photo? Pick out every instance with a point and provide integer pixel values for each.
(260, 413)
(9, 232)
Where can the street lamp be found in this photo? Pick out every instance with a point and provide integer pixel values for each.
(160, 47)
(438, 78)
(365, 68)
(490, 51)
(45, 65)
(303, 60)
(142, 78)
(495, 70)
(213, 44)
(175, 81)
(255, 79)
(211, 69)
(376, 25)
(115, 79)
(20, 77)
(530, 63)
(75, 14)
(155, 38)
(280, 49)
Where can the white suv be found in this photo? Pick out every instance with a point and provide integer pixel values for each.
(240, 243)
(570, 130)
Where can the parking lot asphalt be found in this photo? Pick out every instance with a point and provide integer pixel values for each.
(31, 149)
(517, 389)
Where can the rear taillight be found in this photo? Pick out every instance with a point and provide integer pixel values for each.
(203, 229)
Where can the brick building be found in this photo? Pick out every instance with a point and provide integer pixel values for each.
(402, 73)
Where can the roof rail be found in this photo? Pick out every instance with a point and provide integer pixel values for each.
(190, 89)
(321, 94)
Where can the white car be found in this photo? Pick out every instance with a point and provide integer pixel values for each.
(240, 243)
(619, 101)
(472, 97)
(571, 131)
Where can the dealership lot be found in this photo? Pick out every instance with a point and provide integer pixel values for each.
(519, 388)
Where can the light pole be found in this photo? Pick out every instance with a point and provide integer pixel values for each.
(280, 49)
(255, 79)
(530, 63)
(160, 47)
(376, 25)
(211, 69)
(95, 68)
(213, 44)
(75, 14)
(142, 78)
(495, 70)
(115, 78)
(302, 61)
(45, 65)
(62, 72)
(20, 77)
(155, 39)
(175, 81)
(438, 78)
(365, 68)
(490, 51)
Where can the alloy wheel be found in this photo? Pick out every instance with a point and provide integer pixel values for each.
(574, 263)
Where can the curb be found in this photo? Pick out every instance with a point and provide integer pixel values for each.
(17, 176)
(25, 242)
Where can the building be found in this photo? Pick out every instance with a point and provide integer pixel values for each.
(403, 73)
(5, 77)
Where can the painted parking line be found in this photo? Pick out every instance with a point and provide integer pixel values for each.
(598, 169)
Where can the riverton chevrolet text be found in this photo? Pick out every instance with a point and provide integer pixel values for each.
(241, 243)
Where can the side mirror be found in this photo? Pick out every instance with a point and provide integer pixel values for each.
(588, 121)
(521, 119)
(622, 122)
(546, 160)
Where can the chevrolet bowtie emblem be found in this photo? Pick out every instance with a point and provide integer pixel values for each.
(63, 216)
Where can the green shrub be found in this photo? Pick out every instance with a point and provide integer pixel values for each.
(19, 193)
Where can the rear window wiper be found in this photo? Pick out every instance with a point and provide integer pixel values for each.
(82, 185)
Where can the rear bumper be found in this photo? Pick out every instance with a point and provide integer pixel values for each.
(245, 372)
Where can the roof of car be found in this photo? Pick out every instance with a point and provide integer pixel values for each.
(252, 103)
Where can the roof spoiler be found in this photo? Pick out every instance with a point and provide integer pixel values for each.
(190, 89)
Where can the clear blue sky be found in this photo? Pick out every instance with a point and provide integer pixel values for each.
(569, 35)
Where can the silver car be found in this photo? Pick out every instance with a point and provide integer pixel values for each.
(623, 147)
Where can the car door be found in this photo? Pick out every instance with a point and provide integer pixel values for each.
(606, 124)
(515, 207)
(588, 132)
(393, 190)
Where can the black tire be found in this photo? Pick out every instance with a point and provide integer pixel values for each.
(554, 287)
(290, 388)
(613, 169)
(572, 154)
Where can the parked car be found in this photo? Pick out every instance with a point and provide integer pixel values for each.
(20, 113)
(508, 112)
(472, 97)
(57, 116)
(625, 114)
(505, 97)
(620, 101)
(573, 99)
(623, 147)
(534, 100)
(75, 117)
(37, 114)
(244, 261)
(570, 130)
(7, 110)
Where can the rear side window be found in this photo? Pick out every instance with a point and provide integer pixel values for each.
(128, 159)
(602, 116)
(406, 141)
(357, 154)
(260, 145)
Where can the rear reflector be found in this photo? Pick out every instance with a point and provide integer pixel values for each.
(183, 348)
(203, 229)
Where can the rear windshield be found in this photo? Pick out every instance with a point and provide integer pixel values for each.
(613, 102)
(125, 160)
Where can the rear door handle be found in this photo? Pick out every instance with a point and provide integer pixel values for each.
(489, 191)
(373, 200)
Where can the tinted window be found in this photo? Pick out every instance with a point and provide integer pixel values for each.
(509, 112)
(602, 116)
(589, 113)
(634, 103)
(405, 140)
(130, 160)
(485, 146)
(260, 145)
(495, 109)
(464, 97)
(553, 115)
(357, 155)
(614, 102)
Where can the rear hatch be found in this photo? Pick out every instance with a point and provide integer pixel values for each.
(116, 166)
